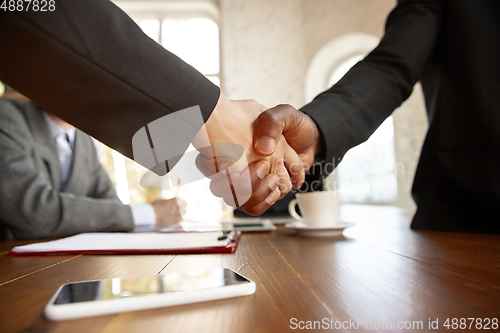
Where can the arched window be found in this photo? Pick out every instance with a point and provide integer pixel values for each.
(367, 173)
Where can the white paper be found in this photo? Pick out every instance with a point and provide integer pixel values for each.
(128, 241)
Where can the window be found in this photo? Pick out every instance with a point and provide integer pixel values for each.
(196, 41)
(367, 174)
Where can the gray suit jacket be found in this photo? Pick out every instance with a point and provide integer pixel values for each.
(31, 204)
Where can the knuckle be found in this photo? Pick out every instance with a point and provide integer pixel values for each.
(286, 108)
(255, 211)
(272, 116)
(264, 117)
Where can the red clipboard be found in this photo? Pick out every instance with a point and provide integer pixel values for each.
(231, 240)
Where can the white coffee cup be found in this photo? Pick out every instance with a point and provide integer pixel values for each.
(319, 209)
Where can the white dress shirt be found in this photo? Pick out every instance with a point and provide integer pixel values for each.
(143, 215)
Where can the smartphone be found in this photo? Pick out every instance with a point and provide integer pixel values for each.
(101, 297)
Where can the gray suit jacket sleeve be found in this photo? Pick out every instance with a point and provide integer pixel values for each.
(32, 208)
(90, 64)
(350, 111)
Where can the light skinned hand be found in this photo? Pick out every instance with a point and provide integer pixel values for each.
(169, 211)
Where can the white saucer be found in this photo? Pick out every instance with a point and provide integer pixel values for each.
(322, 231)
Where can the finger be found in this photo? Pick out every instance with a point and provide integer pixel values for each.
(269, 126)
(211, 167)
(262, 184)
(233, 183)
(259, 202)
(261, 207)
(230, 157)
(295, 166)
(240, 189)
(262, 188)
(256, 171)
(228, 166)
(207, 166)
(284, 183)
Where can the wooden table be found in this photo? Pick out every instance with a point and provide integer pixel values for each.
(381, 272)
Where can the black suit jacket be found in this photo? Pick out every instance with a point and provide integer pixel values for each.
(90, 64)
(453, 48)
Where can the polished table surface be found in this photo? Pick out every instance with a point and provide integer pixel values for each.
(380, 273)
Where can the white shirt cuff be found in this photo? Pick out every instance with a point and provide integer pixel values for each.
(143, 215)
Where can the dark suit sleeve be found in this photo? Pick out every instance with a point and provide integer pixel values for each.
(350, 111)
(29, 205)
(91, 65)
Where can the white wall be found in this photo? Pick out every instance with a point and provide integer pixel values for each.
(262, 51)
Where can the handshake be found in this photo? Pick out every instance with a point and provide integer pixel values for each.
(279, 147)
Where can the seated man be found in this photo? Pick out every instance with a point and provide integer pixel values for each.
(52, 184)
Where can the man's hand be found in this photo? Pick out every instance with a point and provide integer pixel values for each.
(271, 128)
(233, 122)
(168, 211)
(264, 190)
(299, 130)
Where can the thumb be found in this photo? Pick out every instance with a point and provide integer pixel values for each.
(269, 126)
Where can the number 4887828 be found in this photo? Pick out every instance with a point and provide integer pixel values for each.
(469, 323)
(28, 5)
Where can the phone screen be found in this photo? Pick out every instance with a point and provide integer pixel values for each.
(148, 285)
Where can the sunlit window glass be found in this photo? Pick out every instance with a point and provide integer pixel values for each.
(150, 28)
(367, 173)
(215, 80)
(196, 41)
